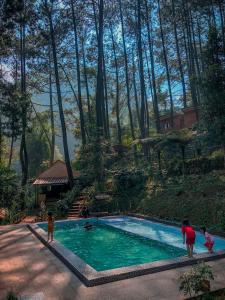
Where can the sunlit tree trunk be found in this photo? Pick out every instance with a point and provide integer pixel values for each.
(105, 104)
(135, 91)
(141, 73)
(126, 72)
(119, 134)
(23, 147)
(51, 113)
(86, 82)
(150, 43)
(10, 151)
(59, 96)
(190, 56)
(166, 63)
(100, 83)
(179, 56)
(80, 106)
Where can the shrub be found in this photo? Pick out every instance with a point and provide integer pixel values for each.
(70, 196)
(62, 208)
(9, 187)
(129, 186)
(127, 179)
(63, 205)
(200, 165)
(196, 280)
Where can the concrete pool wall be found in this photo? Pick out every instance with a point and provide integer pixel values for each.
(90, 277)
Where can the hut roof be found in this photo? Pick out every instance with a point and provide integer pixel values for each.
(55, 175)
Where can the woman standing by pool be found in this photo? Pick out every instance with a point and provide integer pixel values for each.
(189, 233)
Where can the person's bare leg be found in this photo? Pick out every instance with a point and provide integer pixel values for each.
(191, 250)
(188, 250)
(48, 236)
(52, 236)
(211, 249)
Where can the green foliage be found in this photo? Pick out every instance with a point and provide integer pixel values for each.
(9, 187)
(12, 197)
(200, 197)
(62, 208)
(130, 186)
(198, 165)
(196, 280)
(63, 205)
(213, 85)
(126, 179)
(11, 109)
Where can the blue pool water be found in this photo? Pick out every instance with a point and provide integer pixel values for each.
(169, 235)
(116, 242)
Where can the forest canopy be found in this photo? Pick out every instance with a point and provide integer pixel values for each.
(107, 71)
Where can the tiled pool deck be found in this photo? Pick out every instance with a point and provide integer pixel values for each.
(29, 267)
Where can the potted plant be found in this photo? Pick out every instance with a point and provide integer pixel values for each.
(196, 280)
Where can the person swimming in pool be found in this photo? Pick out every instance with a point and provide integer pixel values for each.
(88, 226)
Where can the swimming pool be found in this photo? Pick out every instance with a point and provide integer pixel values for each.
(105, 247)
(120, 247)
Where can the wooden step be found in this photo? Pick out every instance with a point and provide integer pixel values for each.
(76, 204)
(73, 216)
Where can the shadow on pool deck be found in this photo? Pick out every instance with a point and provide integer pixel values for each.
(29, 267)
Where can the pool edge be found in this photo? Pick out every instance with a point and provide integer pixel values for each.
(90, 277)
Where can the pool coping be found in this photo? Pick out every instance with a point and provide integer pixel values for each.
(90, 277)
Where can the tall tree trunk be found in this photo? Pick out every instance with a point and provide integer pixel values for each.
(150, 43)
(86, 82)
(190, 55)
(59, 96)
(105, 117)
(195, 46)
(10, 151)
(141, 73)
(51, 113)
(200, 45)
(148, 72)
(135, 92)
(126, 72)
(105, 104)
(220, 2)
(119, 134)
(23, 148)
(166, 63)
(80, 106)
(179, 56)
(100, 83)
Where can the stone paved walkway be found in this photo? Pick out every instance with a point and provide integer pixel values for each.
(28, 267)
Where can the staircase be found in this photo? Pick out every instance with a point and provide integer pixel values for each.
(75, 209)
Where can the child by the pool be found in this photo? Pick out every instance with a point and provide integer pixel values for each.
(209, 242)
(50, 226)
(188, 233)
